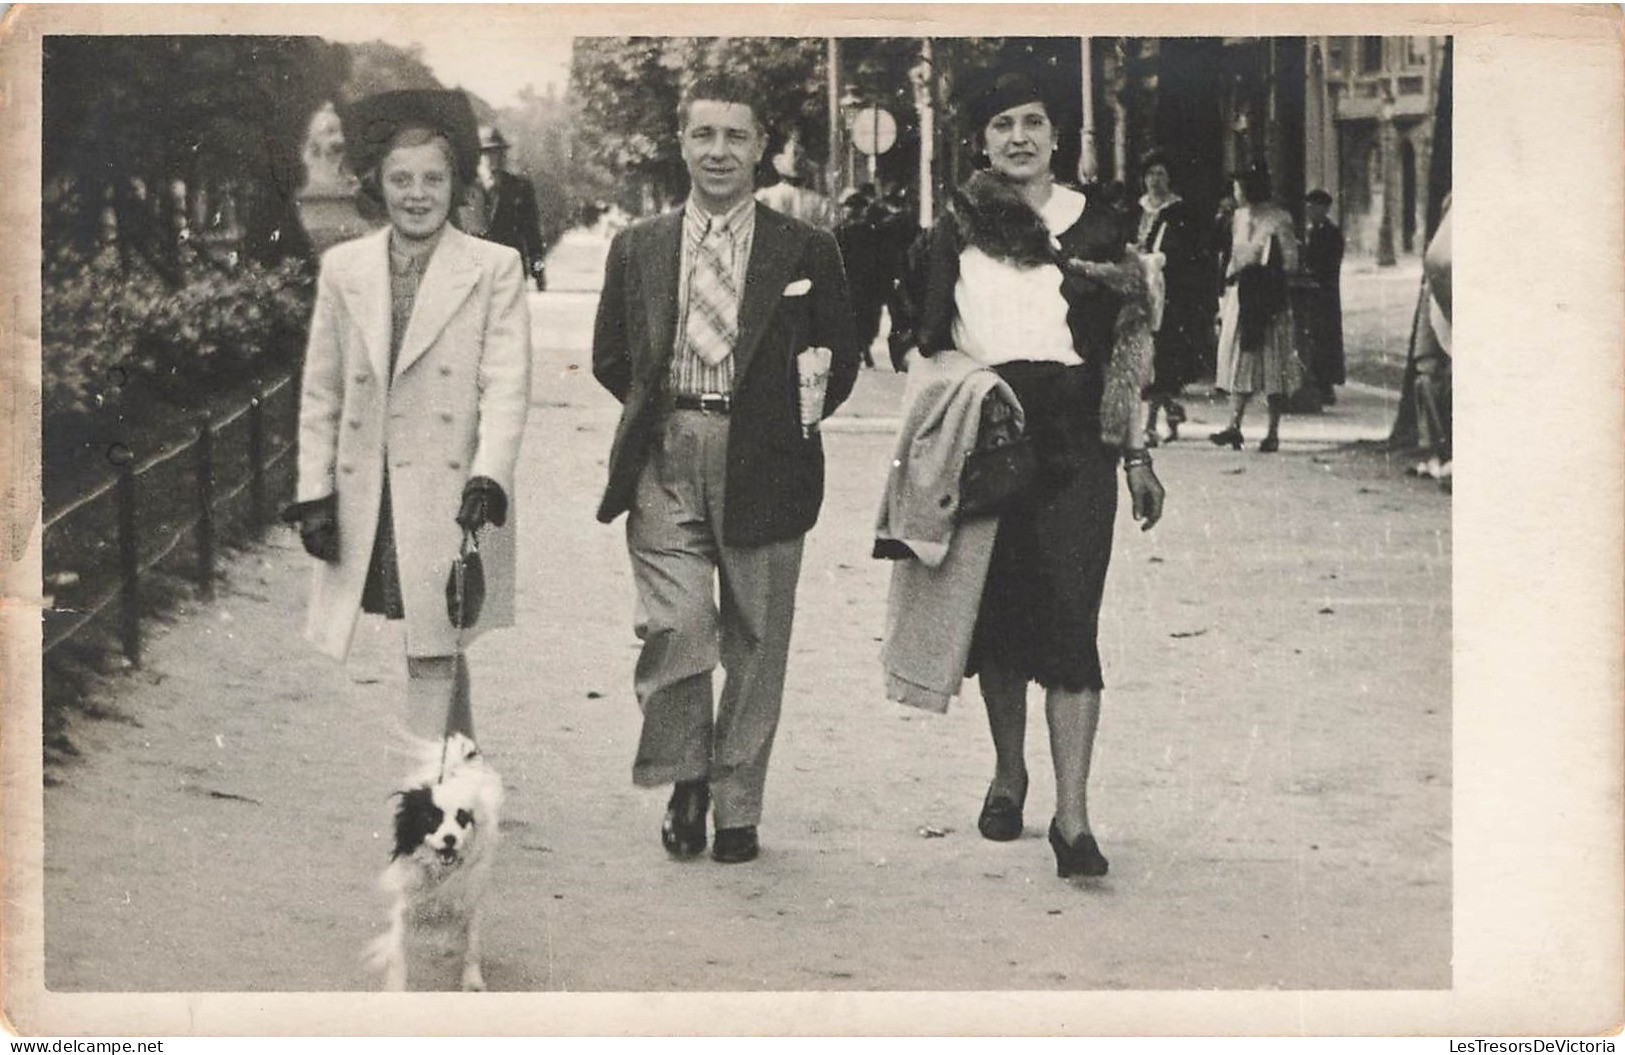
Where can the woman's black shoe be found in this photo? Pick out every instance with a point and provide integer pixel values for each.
(682, 832)
(1230, 436)
(1269, 444)
(1081, 858)
(1001, 819)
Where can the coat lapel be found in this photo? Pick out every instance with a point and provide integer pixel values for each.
(366, 292)
(450, 275)
(772, 257)
(660, 267)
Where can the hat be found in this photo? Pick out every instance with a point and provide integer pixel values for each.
(491, 138)
(987, 97)
(1318, 197)
(370, 124)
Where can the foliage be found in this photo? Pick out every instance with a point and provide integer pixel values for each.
(540, 130)
(376, 66)
(627, 89)
(107, 329)
(172, 132)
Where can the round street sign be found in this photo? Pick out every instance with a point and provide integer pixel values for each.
(873, 130)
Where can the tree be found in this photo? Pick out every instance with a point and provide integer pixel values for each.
(627, 89)
(168, 130)
(379, 67)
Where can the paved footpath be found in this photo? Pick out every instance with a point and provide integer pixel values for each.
(1272, 779)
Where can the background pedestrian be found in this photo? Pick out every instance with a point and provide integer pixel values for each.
(1168, 227)
(1323, 299)
(1263, 251)
(510, 216)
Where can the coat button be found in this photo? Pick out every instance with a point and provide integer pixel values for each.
(355, 423)
(360, 379)
(454, 464)
(445, 415)
(445, 371)
(347, 470)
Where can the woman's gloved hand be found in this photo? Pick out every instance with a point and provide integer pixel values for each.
(484, 502)
(318, 522)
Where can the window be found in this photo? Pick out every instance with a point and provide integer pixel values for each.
(1416, 50)
(1336, 56)
(1370, 54)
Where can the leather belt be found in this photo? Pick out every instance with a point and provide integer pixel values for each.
(710, 402)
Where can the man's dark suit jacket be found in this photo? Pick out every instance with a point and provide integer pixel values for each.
(795, 297)
(514, 220)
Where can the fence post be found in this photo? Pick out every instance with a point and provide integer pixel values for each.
(205, 508)
(256, 462)
(129, 556)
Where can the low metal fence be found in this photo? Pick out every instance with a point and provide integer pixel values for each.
(168, 514)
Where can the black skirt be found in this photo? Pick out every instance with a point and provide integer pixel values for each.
(1040, 610)
(381, 593)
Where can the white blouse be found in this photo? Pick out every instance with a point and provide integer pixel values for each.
(1006, 313)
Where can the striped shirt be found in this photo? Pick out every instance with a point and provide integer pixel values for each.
(689, 373)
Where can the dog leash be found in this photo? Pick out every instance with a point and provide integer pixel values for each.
(459, 574)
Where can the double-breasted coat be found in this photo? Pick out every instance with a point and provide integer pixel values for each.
(454, 408)
(795, 297)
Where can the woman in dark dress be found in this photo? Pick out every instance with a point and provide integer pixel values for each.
(1169, 228)
(1033, 280)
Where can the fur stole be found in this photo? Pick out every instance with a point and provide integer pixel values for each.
(991, 215)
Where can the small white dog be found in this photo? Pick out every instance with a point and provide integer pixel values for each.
(446, 832)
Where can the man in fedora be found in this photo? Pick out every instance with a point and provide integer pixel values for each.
(704, 314)
(510, 217)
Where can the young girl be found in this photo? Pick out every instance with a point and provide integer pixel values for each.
(415, 389)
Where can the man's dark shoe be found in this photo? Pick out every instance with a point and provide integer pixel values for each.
(682, 832)
(736, 845)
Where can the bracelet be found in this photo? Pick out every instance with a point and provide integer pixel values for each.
(1137, 457)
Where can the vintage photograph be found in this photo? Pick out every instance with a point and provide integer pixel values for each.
(590, 513)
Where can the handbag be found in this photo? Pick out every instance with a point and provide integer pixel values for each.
(465, 586)
(1000, 467)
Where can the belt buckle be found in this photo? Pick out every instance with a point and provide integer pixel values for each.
(713, 403)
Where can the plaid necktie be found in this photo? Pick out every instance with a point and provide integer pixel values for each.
(713, 300)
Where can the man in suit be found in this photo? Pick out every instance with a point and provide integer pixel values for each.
(510, 213)
(703, 314)
(1323, 265)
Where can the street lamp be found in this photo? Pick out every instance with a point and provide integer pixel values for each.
(1385, 142)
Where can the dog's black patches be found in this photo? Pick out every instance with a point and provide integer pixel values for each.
(416, 818)
(465, 818)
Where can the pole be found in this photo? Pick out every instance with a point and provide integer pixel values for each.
(205, 509)
(256, 462)
(832, 74)
(129, 559)
(1088, 160)
(925, 72)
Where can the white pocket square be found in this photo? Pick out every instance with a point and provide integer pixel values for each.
(798, 288)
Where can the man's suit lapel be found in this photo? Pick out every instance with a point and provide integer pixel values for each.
(660, 267)
(772, 256)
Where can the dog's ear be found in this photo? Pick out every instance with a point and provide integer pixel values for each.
(416, 818)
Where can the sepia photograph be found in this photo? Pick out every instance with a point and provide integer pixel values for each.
(527, 507)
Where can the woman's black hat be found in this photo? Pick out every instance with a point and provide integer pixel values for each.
(987, 97)
(370, 124)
